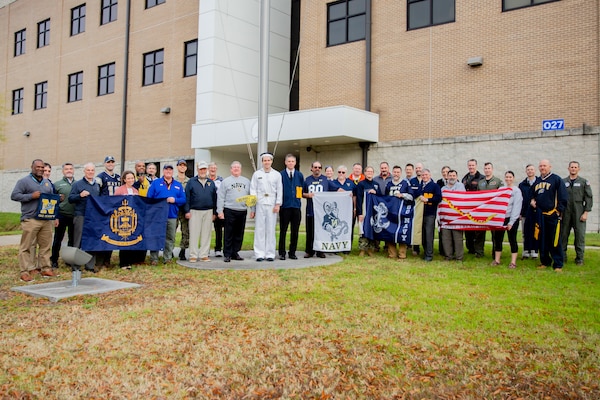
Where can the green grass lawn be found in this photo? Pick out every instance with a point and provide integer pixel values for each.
(365, 328)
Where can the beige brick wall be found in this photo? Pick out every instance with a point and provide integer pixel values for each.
(58, 132)
(540, 62)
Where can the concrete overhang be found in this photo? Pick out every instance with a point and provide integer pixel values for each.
(314, 127)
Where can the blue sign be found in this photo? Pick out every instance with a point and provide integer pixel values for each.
(553, 124)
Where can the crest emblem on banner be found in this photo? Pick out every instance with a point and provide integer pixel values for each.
(123, 223)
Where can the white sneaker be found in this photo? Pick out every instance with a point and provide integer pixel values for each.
(525, 255)
(533, 254)
(218, 253)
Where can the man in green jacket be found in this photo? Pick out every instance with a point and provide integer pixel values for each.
(66, 212)
(578, 207)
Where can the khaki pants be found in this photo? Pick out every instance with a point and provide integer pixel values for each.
(40, 231)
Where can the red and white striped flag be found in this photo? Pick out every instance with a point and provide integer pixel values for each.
(482, 210)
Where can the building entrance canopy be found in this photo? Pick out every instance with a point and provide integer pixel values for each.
(292, 130)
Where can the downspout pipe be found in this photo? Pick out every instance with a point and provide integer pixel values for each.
(368, 57)
(125, 85)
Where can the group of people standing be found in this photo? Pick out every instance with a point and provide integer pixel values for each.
(547, 206)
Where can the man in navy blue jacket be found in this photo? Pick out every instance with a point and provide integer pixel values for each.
(171, 190)
(290, 211)
(430, 195)
(550, 199)
(201, 209)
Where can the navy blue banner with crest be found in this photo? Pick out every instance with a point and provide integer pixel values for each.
(391, 219)
(124, 223)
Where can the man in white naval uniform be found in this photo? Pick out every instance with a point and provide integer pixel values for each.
(267, 187)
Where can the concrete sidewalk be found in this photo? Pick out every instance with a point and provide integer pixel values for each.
(10, 240)
(217, 263)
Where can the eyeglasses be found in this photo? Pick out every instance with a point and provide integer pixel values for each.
(341, 172)
(317, 167)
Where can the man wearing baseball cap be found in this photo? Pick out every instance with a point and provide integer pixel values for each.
(181, 219)
(108, 181)
(201, 210)
(172, 191)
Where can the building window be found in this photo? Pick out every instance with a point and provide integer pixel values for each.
(153, 67)
(106, 79)
(346, 21)
(422, 13)
(191, 58)
(78, 20)
(152, 3)
(43, 38)
(20, 42)
(17, 101)
(514, 4)
(41, 95)
(75, 87)
(108, 13)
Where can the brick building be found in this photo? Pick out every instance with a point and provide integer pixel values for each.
(432, 81)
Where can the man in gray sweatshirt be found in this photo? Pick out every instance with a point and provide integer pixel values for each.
(28, 191)
(232, 211)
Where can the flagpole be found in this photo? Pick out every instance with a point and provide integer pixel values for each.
(263, 95)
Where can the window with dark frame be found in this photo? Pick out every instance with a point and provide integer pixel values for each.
(423, 13)
(106, 79)
(153, 67)
(78, 20)
(75, 87)
(41, 95)
(346, 21)
(152, 3)
(17, 101)
(43, 38)
(108, 11)
(508, 5)
(190, 62)
(20, 42)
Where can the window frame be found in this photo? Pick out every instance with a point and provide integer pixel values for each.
(431, 8)
(20, 42)
(154, 3)
(75, 87)
(347, 16)
(153, 66)
(17, 101)
(532, 3)
(41, 95)
(187, 56)
(111, 6)
(43, 36)
(105, 79)
(78, 22)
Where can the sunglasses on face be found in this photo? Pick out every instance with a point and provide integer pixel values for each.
(341, 172)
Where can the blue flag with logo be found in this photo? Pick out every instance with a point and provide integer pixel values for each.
(392, 219)
(47, 206)
(124, 223)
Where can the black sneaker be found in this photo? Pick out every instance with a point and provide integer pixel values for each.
(182, 255)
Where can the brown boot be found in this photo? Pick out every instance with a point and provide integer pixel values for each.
(371, 253)
(402, 251)
(391, 247)
(362, 253)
